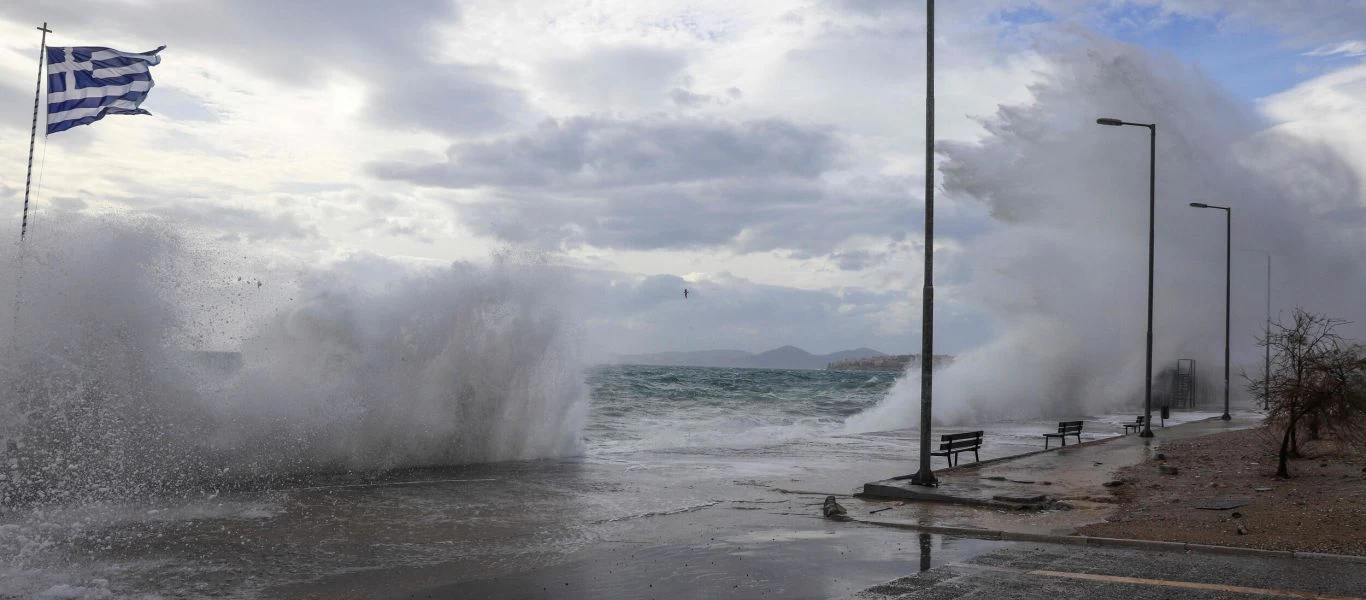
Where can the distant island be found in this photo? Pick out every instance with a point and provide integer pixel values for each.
(886, 363)
(786, 357)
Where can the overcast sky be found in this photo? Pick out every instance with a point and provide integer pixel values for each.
(767, 154)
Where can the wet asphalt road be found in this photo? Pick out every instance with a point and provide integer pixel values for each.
(1026, 570)
(837, 562)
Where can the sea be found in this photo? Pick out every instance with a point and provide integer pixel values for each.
(636, 407)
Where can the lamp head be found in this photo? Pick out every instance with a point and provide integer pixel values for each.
(1109, 121)
(1199, 205)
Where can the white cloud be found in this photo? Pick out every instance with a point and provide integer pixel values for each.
(778, 140)
(1330, 110)
(1352, 48)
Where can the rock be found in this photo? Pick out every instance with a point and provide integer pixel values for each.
(1113, 483)
(832, 509)
(1261, 489)
(1161, 456)
(1214, 484)
(1168, 469)
(1237, 515)
(1242, 530)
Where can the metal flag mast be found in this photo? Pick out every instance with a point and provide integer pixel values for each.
(33, 129)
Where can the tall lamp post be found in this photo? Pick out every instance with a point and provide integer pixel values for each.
(1266, 376)
(926, 476)
(1152, 235)
(1228, 278)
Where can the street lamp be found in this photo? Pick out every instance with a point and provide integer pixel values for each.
(1152, 235)
(1266, 376)
(926, 476)
(1228, 278)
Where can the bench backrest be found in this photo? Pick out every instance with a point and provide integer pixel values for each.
(1069, 427)
(1139, 420)
(960, 441)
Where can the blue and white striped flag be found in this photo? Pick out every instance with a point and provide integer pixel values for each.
(85, 83)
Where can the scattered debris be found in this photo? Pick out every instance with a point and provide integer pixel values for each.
(1168, 469)
(832, 509)
(1113, 483)
(1242, 530)
(1261, 489)
(1161, 456)
(889, 507)
(1237, 515)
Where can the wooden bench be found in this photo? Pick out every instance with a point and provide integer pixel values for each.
(954, 443)
(1136, 425)
(1065, 428)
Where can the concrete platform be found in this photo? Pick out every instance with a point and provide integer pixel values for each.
(1044, 479)
(966, 491)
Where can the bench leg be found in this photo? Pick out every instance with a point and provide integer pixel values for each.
(1046, 439)
(975, 457)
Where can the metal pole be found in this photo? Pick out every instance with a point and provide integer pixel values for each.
(1228, 283)
(33, 129)
(1152, 237)
(926, 476)
(1266, 377)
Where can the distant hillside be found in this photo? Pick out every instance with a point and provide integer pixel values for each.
(885, 363)
(786, 357)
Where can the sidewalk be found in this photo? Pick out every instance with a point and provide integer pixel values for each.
(1075, 473)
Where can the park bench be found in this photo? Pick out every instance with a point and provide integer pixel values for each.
(1136, 425)
(1065, 428)
(954, 443)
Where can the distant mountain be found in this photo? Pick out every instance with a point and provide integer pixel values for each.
(786, 357)
(886, 363)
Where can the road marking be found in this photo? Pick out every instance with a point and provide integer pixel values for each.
(1157, 582)
(1217, 587)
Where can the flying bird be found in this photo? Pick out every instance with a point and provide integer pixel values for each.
(685, 293)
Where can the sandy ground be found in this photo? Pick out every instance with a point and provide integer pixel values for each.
(1322, 508)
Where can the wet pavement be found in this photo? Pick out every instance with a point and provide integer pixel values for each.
(1075, 474)
(1027, 571)
(693, 522)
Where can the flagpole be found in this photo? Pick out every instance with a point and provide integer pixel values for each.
(33, 129)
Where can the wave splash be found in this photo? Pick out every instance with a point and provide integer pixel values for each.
(1063, 270)
(100, 399)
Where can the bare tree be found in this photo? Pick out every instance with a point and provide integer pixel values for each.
(1317, 382)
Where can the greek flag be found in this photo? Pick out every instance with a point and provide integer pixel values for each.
(85, 83)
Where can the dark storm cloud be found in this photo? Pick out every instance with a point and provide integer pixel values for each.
(451, 99)
(662, 183)
(297, 42)
(597, 153)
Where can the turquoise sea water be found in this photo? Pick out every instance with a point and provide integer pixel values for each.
(636, 406)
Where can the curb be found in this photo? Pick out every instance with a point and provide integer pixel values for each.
(1103, 542)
